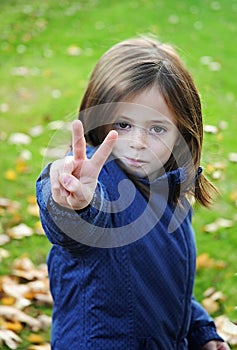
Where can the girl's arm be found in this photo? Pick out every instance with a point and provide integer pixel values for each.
(202, 333)
(67, 191)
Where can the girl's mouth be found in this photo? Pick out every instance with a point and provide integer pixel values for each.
(135, 162)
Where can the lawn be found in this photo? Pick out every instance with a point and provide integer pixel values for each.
(48, 49)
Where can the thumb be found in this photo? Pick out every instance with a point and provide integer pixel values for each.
(69, 182)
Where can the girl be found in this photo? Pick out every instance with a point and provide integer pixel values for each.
(118, 212)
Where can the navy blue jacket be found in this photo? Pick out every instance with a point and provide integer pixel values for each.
(120, 279)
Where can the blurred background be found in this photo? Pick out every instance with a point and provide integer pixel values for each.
(47, 52)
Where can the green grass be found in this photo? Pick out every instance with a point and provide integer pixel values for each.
(37, 34)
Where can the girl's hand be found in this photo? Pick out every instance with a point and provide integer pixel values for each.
(215, 345)
(74, 178)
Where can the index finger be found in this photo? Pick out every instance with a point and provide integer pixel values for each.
(78, 140)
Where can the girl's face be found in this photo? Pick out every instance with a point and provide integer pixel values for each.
(147, 134)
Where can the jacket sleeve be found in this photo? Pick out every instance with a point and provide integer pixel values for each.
(64, 226)
(202, 327)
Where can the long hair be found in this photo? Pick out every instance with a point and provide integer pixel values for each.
(131, 67)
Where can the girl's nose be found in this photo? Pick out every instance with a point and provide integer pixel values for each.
(138, 138)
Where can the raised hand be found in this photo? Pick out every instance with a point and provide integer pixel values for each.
(74, 178)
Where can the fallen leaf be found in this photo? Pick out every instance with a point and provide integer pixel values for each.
(223, 125)
(8, 301)
(13, 326)
(36, 131)
(210, 129)
(11, 175)
(212, 300)
(20, 71)
(19, 139)
(218, 224)
(33, 210)
(20, 231)
(21, 166)
(204, 261)
(35, 338)
(4, 107)
(11, 206)
(4, 239)
(214, 66)
(233, 157)
(210, 305)
(38, 228)
(10, 338)
(4, 253)
(74, 50)
(11, 313)
(26, 154)
(226, 329)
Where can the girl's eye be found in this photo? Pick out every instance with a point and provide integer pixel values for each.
(122, 126)
(157, 130)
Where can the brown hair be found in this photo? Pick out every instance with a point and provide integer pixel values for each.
(131, 67)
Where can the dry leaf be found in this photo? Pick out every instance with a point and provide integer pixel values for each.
(204, 261)
(212, 300)
(4, 239)
(21, 166)
(36, 130)
(20, 231)
(10, 338)
(13, 326)
(218, 224)
(38, 228)
(74, 50)
(26, 154)
(33, 210)
(4, 254)
(233, 157)
(19, 139)
(210, 129)
(32, 199)
(35, 338)
(11, 175)
(8, 204)
(45, 320)
(210, 305)
(227, 329)
(11, 313)
(8, 301)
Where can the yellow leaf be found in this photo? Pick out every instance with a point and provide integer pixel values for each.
(204, 261)
(14, 326)
(10, 175)
(8, 301)
(33, 210)
(210, 305)
(21, 166)
(35, 338)
(233, 196)
(31, 199)
(38, 228)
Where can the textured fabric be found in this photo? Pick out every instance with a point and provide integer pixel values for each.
(135, 296)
